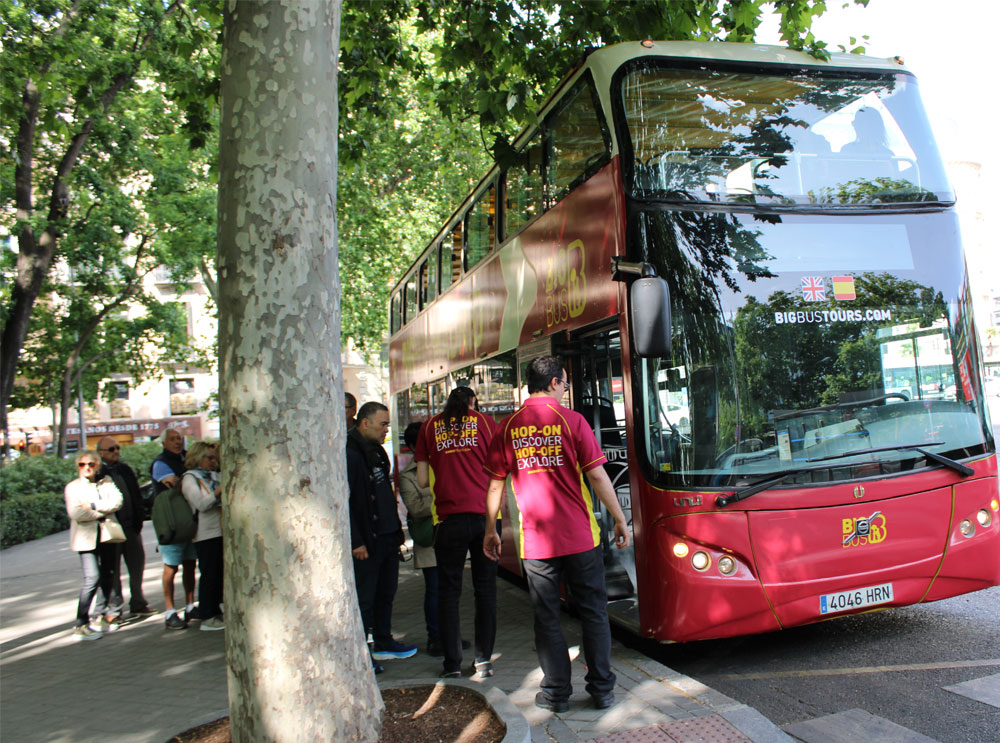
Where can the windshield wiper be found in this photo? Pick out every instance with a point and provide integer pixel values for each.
(724, 500)
(963, 470)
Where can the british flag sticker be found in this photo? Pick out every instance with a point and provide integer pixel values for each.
(813, 289)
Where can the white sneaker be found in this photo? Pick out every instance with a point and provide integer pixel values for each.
(84, 632)
(213, 624)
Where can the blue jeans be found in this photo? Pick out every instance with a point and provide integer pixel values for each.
(100, 568)
(583, 573)
(456, 537)
(376, 579)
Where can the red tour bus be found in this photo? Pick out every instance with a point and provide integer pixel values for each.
(750, 260)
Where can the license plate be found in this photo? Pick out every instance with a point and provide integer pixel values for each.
(859, 598)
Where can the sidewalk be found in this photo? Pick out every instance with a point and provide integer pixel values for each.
(144, 684)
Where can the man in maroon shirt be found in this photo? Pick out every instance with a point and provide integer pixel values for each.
(545, 449)
(450, 453)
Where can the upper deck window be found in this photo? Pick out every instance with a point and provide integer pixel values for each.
(577, 141)
(481, 235)
(831, 138)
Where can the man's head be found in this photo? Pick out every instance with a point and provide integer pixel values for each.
(350, 407)
(546, 374)
(373, 421)
(411, 434)
(109, 449)
(173, 442)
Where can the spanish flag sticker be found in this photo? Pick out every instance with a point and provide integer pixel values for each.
(843, 287)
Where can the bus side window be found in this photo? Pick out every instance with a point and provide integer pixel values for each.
(432, 273)
(422, 285)
(395, 321)
(410, 308)
(454, 272)
(480, 234)
(523, 189)
(577, 142)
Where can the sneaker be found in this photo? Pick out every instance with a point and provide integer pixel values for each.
(145, 611)
(109, 624)
(450, 675)
(174, 621)
(603, 701)
(483, 669)
(553, 705)
(377, 667)
(389, 649)
(213, 624)
(84, 632)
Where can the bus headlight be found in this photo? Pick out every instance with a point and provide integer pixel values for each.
(700, 560)
(680, 550)
(967, 528)
(727, 565)
(983, 517)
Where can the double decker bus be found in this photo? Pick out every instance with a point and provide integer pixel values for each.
(750, 260)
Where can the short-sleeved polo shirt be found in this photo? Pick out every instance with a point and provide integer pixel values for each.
(546, 449)
(455, 455)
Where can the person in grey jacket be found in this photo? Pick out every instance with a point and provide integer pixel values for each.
(89, 501)
(203, 493)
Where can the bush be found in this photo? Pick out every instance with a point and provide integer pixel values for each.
(140, 457)
(29, 475)
(31, 517)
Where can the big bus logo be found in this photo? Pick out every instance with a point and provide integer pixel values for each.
(870, 530)
(566, 284)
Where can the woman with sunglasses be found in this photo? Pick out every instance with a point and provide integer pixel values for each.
(88, 502)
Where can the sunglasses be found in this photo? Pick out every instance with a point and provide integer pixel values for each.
(110, 448)
(87, 464)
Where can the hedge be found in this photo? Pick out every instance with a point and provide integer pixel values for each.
(29, 475)
(31, 517)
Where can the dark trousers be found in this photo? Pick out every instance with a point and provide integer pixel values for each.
(99, 572)
(376, 579)
(135, 562)
(583, 573)
(456, 537)
(210, 585)
(431, 602)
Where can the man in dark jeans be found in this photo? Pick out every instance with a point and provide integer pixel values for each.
(130, 517)
(375, 530)
(547, 450)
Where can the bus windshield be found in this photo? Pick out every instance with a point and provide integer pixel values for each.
(824, 139)
(800, 339)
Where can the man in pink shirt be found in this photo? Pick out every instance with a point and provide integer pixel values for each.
(451, 449)
(546, 449)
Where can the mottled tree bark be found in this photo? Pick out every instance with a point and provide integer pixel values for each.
(298, 666)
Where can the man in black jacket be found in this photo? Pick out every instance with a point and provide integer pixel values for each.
(375, 529)
(130, 517)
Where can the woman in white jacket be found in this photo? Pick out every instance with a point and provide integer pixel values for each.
(88, 502)
(200, 485)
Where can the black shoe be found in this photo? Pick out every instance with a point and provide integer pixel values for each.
(174, 621)
(450, 675)
(482, 669)
(377, 667)
(434, 649)
(553, 705)
(603, 701)
(466, 644)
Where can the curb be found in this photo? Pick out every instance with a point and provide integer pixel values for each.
(518, 729)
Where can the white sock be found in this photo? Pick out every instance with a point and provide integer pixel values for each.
(189, 608)
(170, 613)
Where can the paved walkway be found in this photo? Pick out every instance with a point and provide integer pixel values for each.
(157, 682)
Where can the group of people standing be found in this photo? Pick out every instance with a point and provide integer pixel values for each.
(106, 513)
(462, 461)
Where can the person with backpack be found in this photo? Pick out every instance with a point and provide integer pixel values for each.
(200, 486)
(166, 472)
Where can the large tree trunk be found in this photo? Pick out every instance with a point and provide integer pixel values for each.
(298, 665)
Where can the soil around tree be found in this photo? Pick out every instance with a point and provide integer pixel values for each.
(417, 714)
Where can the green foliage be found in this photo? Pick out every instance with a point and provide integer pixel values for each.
(31, 475)
(31, 517)
(140, 457)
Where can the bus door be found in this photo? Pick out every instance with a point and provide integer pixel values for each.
(598, 393)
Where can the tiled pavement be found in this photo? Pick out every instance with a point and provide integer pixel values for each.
(137, 684)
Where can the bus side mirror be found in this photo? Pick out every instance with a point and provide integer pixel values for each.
(650, 299)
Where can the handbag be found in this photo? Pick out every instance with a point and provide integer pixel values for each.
(422, 531)
(111, 531)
